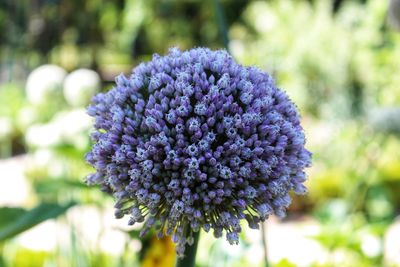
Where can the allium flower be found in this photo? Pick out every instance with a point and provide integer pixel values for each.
(194, 140)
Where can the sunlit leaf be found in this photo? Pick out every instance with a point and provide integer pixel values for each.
(8, 214)
(16, 221)
(56, 185)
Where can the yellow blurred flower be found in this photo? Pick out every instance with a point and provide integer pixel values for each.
(161, 253)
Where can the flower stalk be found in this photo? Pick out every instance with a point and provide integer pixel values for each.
(189, 259)
(264, 242)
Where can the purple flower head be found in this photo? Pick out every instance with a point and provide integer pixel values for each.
(194, 140)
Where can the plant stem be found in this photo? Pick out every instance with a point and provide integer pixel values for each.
(221, 22)
(264, 241)
(190, 253)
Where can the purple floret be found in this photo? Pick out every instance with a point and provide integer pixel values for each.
(194, 140)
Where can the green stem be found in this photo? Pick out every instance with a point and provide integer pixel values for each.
(264, 241)
(190, 253)
(221, 22)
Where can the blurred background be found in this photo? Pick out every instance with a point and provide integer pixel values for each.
(339, 60)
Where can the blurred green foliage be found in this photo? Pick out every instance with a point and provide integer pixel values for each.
(333, 66)
(108, 36)
(338, 61)
(16, 220)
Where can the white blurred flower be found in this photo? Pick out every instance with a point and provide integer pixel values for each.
(113, 242)
(267, 21)
(82, 218)
(26, 117)
(41, 158)
(392, 244)
(42, 135)
(371, 245)
(47, 162)
(43, 83)
(73, 127)
(237, 47)
(42, 237)
(67, 127)
(79, 87)
(104, 233)
(15, 190)
(6, 128)
(73, 122)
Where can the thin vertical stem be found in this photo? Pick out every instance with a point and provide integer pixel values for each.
(264, 241)
(189, 259)
(221, 22)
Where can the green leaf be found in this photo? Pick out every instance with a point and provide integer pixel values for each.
(8, 215)
(16, 220)
(54, 185)
(133, 234)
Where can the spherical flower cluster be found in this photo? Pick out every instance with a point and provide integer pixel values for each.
(194, 140)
